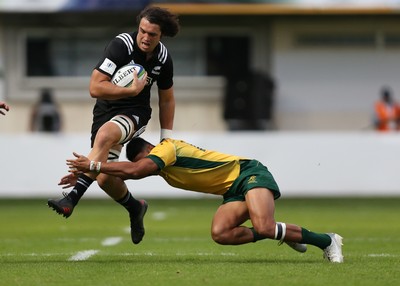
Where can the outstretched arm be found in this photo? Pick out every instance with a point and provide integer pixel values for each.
(4, 106)
(68, 181)
(125, 170)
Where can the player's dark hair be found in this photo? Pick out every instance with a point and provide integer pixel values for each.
(134, 147)
(168, 22)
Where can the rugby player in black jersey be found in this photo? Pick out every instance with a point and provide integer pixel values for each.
(122, 113)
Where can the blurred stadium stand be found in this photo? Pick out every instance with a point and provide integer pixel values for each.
(328, 62)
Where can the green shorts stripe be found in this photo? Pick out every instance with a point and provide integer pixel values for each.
(252, 175)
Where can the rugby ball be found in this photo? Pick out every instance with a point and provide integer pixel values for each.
(124, 76)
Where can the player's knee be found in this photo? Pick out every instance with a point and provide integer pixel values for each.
(102, 182)
(218, 235)
(267, 229)
(106, 137)
(112, 186)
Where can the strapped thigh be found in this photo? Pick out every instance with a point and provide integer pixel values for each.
(127, 127)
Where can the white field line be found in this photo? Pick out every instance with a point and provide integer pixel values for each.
(83, 255)
(382, 255)
(86, 254)
(159, 216)
(110, 241)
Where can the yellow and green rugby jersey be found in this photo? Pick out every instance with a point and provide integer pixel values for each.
(189, 167)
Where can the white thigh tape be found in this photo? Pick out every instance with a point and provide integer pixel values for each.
(126, 126)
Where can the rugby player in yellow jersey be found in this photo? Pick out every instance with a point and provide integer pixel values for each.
(247, 187)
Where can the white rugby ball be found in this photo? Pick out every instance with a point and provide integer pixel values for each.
(124, 76)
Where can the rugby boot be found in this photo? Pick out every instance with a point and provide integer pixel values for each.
(137, 225)
(63, 206)
(334, 251)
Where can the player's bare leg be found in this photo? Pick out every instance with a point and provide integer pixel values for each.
(227, 229)
(226, 226)
(106, 138)
(261, 209)
(261, 205)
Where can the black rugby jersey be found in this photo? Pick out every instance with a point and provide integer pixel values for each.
(123, 50)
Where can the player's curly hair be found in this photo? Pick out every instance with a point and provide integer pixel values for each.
(134, 147)
(168, 22)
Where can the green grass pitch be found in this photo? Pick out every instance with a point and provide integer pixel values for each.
(93, 247)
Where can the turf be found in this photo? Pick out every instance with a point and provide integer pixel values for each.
(38, 247)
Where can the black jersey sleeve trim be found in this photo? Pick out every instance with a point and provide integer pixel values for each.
(128, 41)
(163, 54)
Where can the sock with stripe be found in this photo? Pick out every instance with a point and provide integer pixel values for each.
(82, 184)
(131, 204)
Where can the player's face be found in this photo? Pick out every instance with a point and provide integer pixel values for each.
(149, 36)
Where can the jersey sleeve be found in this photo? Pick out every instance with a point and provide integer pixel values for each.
(164, 154)
(165, 81)
(115, 56)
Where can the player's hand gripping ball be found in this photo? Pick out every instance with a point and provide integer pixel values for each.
(124, 76)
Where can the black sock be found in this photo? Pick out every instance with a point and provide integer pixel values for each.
(256, 235)
(82, 184)
(132, 205)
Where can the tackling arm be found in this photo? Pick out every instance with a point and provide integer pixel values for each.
(125, 170)
(4, 106)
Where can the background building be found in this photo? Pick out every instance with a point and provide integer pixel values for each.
(328, 62)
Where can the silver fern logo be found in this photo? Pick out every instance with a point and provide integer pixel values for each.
(156, 70)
